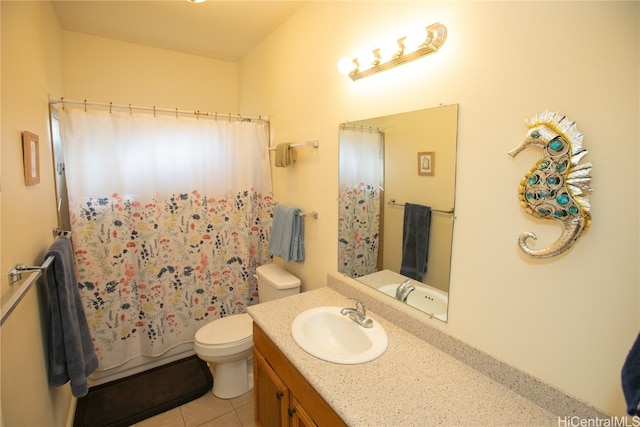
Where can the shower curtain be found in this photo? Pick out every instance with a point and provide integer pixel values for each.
(361, 178)
(170, 218)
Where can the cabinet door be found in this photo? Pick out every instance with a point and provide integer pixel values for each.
(299, 417)
(271, 396)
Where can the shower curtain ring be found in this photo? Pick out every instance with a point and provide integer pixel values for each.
(110, 106)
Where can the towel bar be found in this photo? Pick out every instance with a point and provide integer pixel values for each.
(313, 214)
(314, 144)
(393, 202)
(16, 274)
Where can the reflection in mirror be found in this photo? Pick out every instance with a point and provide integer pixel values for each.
(396, 204)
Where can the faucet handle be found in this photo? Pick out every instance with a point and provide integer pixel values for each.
(359, 314)
(401, 287)
(359, 306)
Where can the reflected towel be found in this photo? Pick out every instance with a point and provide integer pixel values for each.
(287, 234)
(285, 155)
(71, 354)
(631, 379)
(415, 241)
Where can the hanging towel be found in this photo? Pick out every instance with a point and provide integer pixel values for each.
(287, 234)
(285, 155)
(631, 379)
(415, 241)
(71, 354)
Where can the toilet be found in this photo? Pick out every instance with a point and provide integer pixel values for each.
(227, 343)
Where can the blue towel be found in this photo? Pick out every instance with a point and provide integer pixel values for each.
(415, 241)
(287, 234)
(631, 379)
(71, 354)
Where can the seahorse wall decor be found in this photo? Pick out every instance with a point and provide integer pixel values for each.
(557, 187)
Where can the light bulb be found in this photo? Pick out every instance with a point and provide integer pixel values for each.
(390, 50)
(346, 65)
(415, 39)
(366, 59)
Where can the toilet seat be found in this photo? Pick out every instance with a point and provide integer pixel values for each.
(225, 336)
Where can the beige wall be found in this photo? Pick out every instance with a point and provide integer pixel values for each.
(39, 61)
(569, 320)
(31, 69)
(106, 70)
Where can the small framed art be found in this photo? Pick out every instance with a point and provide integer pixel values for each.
(31, 154)
(426, 163)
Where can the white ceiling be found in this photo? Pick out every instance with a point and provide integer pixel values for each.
(217, 29)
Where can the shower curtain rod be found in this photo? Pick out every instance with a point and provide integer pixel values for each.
(155, 110)
(361, 127)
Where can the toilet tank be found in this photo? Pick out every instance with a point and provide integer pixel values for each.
(275, 282)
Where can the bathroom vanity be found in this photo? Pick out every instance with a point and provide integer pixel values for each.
(412, 383)
(282, 396)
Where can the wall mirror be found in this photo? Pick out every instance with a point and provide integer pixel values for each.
(396, 204)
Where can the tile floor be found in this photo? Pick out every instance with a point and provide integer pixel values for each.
(207, 411)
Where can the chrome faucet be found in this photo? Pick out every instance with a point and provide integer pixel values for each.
(358, 314)
(403, 290)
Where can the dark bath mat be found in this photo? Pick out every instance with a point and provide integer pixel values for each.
(138, 397)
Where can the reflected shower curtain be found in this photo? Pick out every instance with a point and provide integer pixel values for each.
(361, 176)
(170, 218)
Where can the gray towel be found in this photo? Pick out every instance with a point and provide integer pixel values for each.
(287, 234)
(415, 241)
(71, 354)
(631, 378)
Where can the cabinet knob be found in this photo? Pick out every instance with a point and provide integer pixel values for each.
(291, 412)
(279, 395)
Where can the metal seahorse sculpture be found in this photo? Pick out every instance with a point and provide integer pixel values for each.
(557, 187)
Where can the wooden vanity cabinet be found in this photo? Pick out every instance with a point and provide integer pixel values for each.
(282, 396)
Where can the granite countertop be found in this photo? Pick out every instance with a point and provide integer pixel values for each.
(412, 383)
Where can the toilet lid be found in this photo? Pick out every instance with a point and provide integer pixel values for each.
(226, 330)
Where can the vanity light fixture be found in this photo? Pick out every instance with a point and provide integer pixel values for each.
(404, 50)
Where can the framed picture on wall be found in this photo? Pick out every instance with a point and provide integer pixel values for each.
(31, 155)
(426, 163)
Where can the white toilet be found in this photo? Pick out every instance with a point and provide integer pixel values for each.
(228, 342)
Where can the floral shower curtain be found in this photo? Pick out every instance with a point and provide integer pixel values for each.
(170, 218)
(361, 179)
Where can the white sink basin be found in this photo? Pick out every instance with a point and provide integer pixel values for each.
(328, 335)
(422, 298)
